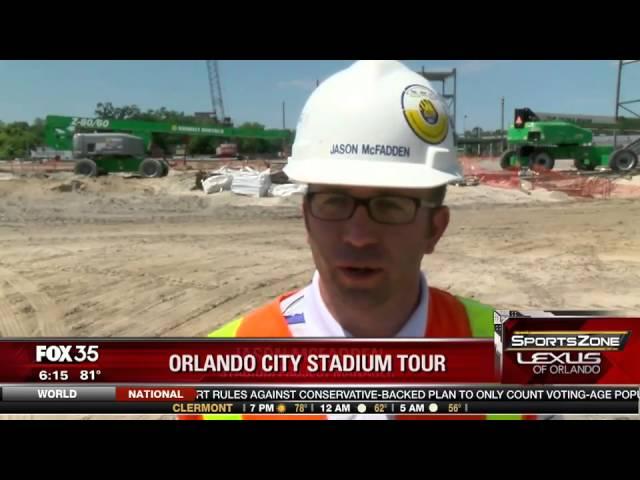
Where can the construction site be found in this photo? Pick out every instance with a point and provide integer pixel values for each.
(177, 246)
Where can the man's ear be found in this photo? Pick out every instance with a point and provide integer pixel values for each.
(439, 223)
(305, 210)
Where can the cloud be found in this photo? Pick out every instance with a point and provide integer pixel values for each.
(301, 84)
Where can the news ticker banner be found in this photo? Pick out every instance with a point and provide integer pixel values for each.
(319, 399)
(543, 347)
(337, 361)
(560, 347)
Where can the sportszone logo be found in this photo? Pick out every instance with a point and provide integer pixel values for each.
(425, 113)
(576, 341)
(573, 352)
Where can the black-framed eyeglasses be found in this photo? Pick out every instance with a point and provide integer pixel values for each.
(386, 209)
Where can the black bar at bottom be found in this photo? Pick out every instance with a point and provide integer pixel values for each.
(319, 408)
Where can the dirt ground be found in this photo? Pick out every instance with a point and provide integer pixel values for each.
(117, 256)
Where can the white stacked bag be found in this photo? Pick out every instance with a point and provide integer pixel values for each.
(251, 182)
(217, 183)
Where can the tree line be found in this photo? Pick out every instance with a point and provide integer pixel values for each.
(197, 144)
(18, 138)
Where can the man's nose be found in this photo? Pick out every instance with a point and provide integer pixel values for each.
(360, 230)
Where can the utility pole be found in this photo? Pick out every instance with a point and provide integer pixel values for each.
(617, 115)
(502, 132)
(284, 141)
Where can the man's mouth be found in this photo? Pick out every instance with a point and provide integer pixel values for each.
(359, 272)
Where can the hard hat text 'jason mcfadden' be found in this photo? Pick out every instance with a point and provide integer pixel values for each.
(366, 149)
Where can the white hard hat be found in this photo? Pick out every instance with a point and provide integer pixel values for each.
(374, 124)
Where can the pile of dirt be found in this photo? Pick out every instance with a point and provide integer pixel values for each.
(486, 195)
(72, 186)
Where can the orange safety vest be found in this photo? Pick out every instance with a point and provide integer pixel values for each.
(447, 318)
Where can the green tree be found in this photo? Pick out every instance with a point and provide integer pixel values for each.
(37, 132)
(252, 145)
(201, 145)
(126, 112)
(104, 110)
(18, 138)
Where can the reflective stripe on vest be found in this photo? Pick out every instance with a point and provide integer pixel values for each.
(227, 331)
(480, 318)
(448, 317)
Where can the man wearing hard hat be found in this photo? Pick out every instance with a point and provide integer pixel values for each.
(375, 147)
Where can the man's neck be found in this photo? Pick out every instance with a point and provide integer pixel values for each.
(381, 321)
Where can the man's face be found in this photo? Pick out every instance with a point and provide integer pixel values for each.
(364, 262)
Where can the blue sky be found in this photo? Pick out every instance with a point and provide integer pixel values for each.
(255, 90)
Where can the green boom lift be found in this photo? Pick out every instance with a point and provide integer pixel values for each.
(103, 145)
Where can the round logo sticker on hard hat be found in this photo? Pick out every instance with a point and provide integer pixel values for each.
(424, 113)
